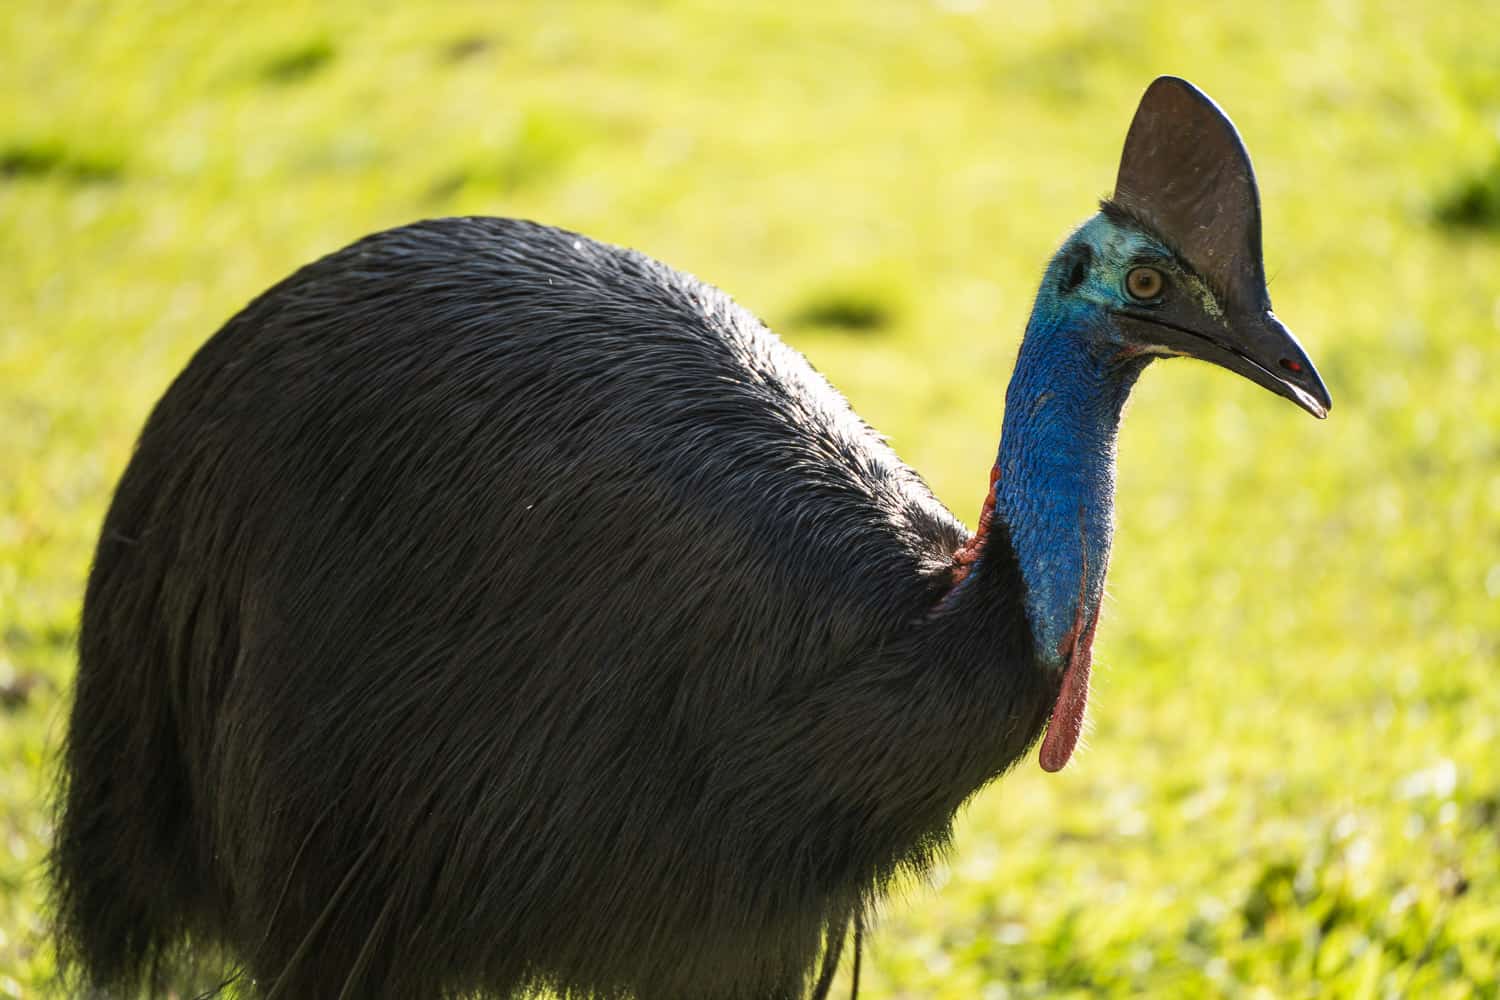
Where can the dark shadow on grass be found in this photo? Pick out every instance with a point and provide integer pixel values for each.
(1474, 201)
(856, 308)
(468, 47)
(298, 63)
(55, 158)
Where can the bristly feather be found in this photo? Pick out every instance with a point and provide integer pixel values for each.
(485, 607)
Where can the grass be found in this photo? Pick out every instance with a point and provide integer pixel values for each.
(1474, 200)
(1292, 787)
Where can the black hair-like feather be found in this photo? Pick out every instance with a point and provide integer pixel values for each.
(485, 608)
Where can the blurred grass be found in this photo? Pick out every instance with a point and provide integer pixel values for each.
(1292, 788)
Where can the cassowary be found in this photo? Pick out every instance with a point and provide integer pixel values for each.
(487, 610)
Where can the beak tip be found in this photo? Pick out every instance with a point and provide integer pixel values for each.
(1312, 404)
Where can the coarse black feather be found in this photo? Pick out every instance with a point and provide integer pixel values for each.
(486, 608)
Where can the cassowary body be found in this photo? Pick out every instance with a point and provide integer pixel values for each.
(487, 608)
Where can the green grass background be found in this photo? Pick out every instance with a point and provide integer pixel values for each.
(1291, 788)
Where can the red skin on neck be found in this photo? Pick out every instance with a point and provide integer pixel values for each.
(1066, 725)
(968, 553)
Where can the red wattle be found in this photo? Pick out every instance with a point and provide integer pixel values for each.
(1066, 724)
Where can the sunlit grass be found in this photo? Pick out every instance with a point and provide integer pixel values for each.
(1291, 787)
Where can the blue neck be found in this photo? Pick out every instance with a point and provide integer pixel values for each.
(1057, 464)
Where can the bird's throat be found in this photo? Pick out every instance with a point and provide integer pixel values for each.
(1053, 487)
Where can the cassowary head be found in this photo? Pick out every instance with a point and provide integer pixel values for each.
(1171, 266)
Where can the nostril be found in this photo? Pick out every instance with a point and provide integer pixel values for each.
(1295, 367)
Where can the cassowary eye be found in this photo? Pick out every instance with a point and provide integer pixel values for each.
(1144, 283)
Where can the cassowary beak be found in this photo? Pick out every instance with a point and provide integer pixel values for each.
(1266, 353)
(1258, 347)
(1186, 177)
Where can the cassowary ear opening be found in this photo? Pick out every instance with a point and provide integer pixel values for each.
(1186, 176)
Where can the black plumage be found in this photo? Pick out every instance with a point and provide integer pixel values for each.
(486, 607)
